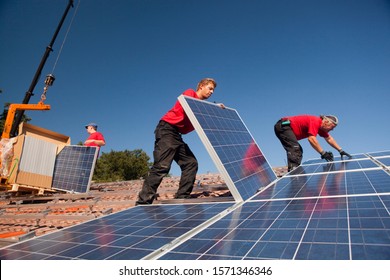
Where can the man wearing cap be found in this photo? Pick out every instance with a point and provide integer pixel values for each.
(95, 138)
(290, 130)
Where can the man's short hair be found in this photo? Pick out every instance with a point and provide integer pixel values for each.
(206, 81)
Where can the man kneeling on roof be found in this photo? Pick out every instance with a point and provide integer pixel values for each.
(290, 130)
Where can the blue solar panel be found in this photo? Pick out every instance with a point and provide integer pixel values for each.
(384, 161)
(379, 154)
(131, 234)
(366, 182)
(336, 159)
(334, 167)
(338, 228)
(74, 168)
(231, 146)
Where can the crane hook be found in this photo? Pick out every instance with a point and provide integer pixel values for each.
(48, 82)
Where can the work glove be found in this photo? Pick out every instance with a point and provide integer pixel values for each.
(343, 153)
(328, 156)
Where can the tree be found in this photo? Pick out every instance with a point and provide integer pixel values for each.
(121, 166)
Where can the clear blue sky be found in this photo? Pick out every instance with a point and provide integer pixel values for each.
(124, 63)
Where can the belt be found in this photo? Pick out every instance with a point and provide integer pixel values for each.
(285, 122)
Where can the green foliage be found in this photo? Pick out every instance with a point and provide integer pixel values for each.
(121, 166)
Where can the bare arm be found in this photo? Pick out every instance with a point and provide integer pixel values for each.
(314, 143)
(332, 142)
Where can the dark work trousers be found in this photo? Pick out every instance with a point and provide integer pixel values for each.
(169, 146)
(290, 144)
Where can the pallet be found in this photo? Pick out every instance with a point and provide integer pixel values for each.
(16, 188)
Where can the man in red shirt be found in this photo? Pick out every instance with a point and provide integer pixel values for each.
(290, 130)
(95, 138)
(169, 146)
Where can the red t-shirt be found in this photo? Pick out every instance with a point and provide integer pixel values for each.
(177, 117)
(94, 136)
(304, 126)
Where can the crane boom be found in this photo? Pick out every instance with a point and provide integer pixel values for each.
(29, 93)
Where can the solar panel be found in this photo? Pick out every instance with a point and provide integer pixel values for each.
(338, 228)
(368, 182)
(336, 211)
(328, 167)
(231, 146)
(379, 154)
(384, 161)
(73, 169)
(134, 233)
(337, 158)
